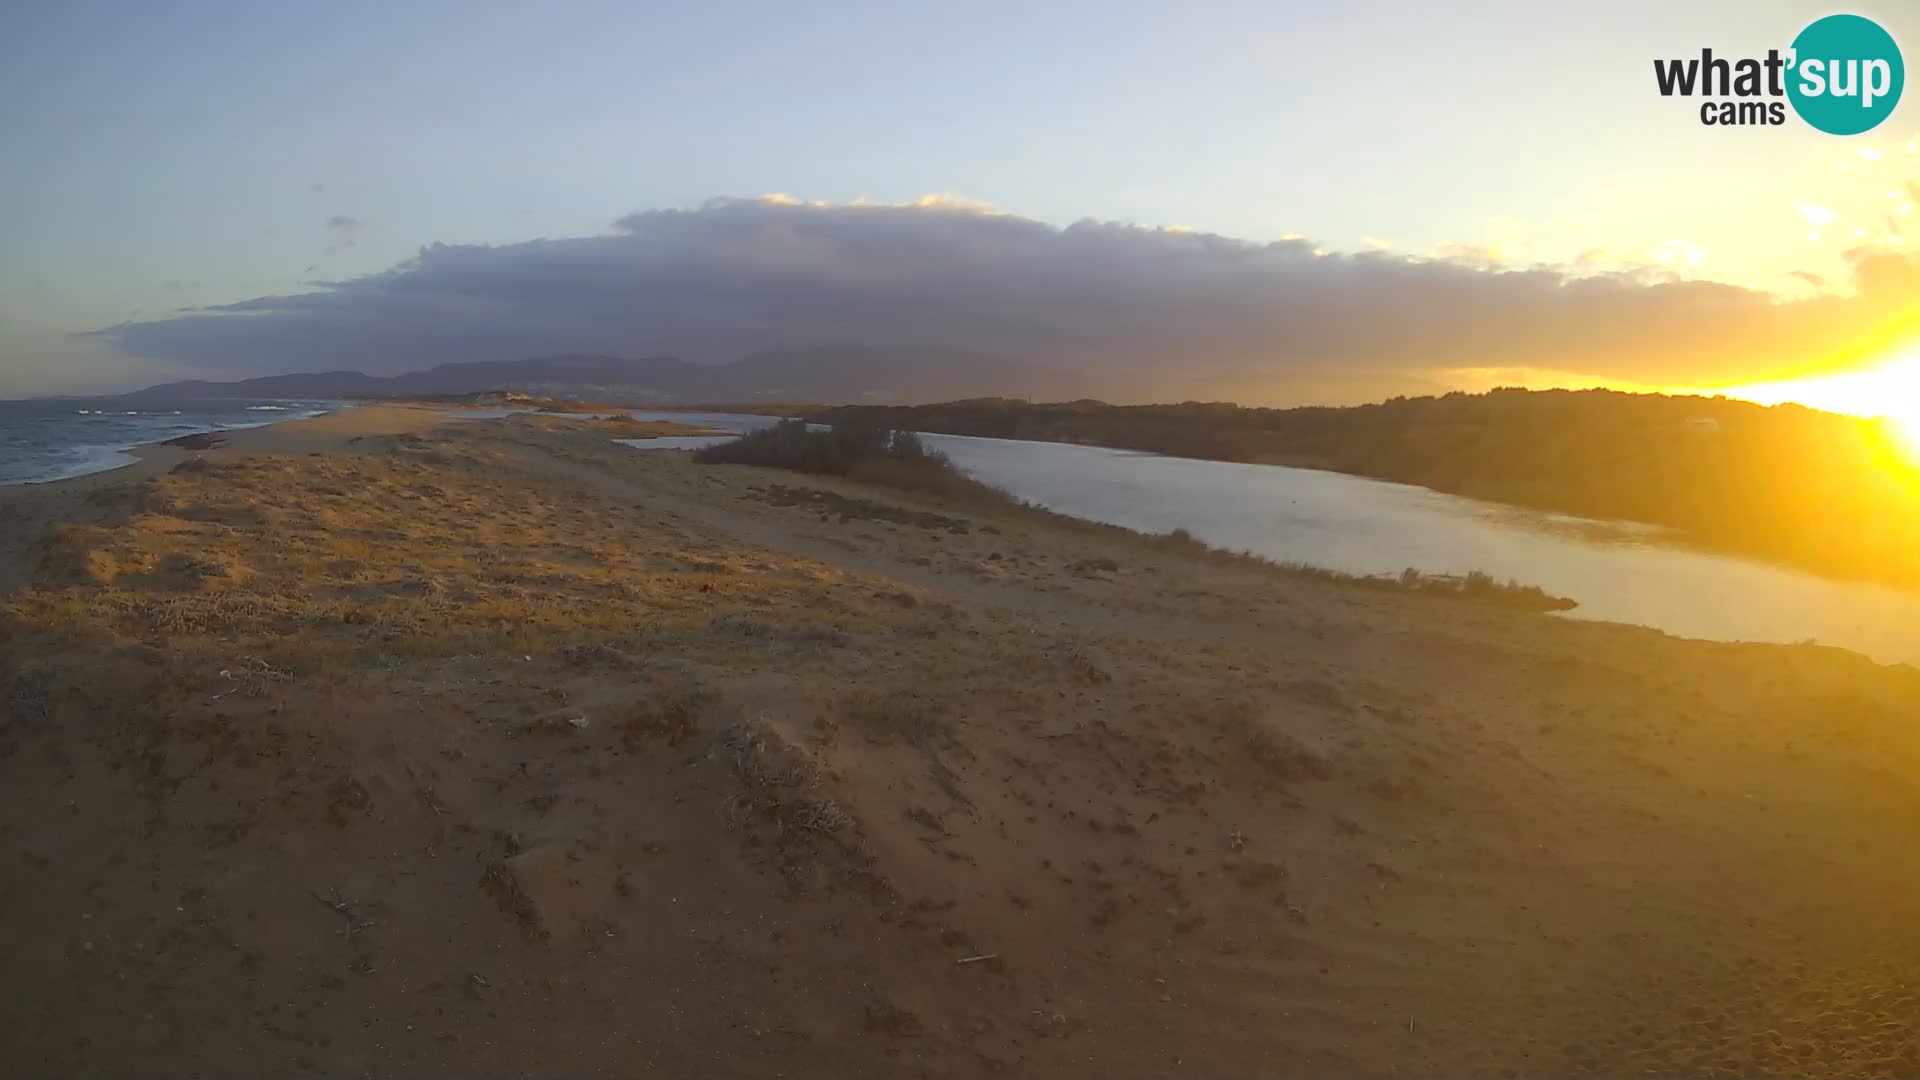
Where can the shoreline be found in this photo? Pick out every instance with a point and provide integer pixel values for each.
(132, 452)
(37, 507)
(382, 724)
(1241, 435)
(329, 431)
(137, 453)
(320, 433)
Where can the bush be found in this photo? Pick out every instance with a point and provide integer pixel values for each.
(1476, 585)
(862, 452)
(791, 444)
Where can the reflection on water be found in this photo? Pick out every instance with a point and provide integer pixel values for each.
(738, 423)
(1618, 571)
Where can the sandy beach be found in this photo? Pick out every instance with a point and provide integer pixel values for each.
(386, 743)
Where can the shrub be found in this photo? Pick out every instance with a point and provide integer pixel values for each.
(791, 444)
(1476, 585)
(875, 455)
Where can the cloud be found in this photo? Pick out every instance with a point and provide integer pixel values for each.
(1138, 311)
(1815, 215)
(1475, 254)
(343, 232)
(1646, 262)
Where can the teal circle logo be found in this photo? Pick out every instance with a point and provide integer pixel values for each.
(1846, 75)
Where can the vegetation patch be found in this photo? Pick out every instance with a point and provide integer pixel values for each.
(832, 504)
(671, 714)
(783, 801)
(877, 455)
(1474, 585)
(1715, 470)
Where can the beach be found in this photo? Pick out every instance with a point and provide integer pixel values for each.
(388, 742)
(62, 438)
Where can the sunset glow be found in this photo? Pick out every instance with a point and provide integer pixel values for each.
(1888, 392)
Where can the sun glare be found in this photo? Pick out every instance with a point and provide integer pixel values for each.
(1888, 391)
(1895, 392)
(1891, 391)
(1907, 434)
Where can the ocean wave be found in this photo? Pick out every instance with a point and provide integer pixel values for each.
(47, 448)
(72, 461)
(243, 425)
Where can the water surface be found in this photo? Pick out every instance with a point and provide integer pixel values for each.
(60, 438)
(737, 423)
(1617, 571)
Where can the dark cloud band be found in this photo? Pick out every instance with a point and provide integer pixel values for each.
(1132, 309)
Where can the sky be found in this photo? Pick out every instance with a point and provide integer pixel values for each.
(1339, 201)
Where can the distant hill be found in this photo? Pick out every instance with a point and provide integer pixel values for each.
(1830, 493)
(321, 384)
(845, 373)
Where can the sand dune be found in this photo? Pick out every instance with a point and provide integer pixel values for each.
(384, 743)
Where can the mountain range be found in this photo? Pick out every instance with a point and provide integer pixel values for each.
(842, 373)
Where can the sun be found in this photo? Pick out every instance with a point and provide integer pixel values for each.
(1899, 401)
(1906, 436)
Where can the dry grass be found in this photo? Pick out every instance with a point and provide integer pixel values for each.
(1277, 756)
(672, 713)
(780, 784)
(539, 695)
(904, 717)
(315, 563)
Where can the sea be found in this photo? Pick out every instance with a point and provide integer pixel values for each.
(56, 439)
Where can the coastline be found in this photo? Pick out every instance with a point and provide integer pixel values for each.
(472, 410)
(35, 507)
(136, 454)
(410, 723)
(114, 456)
